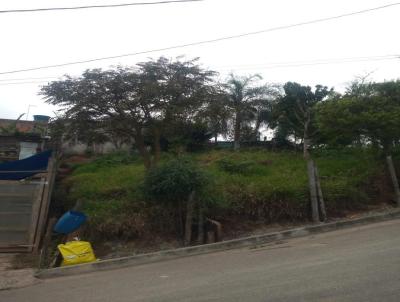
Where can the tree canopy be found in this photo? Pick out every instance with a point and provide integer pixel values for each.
(134, 102)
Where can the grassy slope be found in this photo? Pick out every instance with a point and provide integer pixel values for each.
(273, 188)
(278, 183)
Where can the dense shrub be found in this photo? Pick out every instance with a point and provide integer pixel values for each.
(177, 185)
(174, 180)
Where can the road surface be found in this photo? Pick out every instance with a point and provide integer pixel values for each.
(358, 264)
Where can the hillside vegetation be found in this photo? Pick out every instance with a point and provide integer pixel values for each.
(247, 186)
(170, 106)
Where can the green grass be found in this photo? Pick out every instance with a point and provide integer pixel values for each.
(251, 184)
(114, 181)
(277, 187)
(346, 177)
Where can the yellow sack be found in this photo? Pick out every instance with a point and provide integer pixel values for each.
(76, 252)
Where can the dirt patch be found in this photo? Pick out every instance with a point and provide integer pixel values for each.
(114, 249)
(22, 261)
(370, 210)
(77, 159)
(231, 230)
(383, 188)
(11, 277)
(17, 278)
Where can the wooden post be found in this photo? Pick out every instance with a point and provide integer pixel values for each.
(36, 210)
(200, 229)
(44, 206)
(46, 241)
(215, 228)
(320, 196)
(313, 191)
(393, 176)
(210, 237)
(237, 129)
(78, 206)
(51, 177)
(189, 218)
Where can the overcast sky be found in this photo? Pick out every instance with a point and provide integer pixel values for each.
(45, 38)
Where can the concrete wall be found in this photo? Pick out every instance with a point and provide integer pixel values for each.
(10, 146)
(70, 148)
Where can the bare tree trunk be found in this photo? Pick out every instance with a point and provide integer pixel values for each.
(320, 196)
(306, 144)
(116, 143)
(157, 146)
(215, 232)
(200, 232)
(236, 136)
(313, 190)
(310, 170)
(306, 138)
(216, 139)
(139, 140)
(189, 219)
(393, 176)
(257, 128)
(180, 225)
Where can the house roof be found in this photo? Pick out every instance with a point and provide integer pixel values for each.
(21, 126)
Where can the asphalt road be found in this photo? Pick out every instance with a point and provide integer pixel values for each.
(358, 264)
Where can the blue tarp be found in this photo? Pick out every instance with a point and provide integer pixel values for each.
(20, 169)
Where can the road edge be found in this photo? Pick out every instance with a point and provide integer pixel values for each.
(135, 260)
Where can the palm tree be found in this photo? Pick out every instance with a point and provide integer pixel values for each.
(217, 112)
(244, 96)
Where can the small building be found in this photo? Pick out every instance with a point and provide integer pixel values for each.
(20, 139)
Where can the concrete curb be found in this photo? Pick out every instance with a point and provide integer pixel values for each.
(214, 247)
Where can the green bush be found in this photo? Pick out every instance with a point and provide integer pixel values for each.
(174, 180)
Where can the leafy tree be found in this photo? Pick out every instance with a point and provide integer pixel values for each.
(103, 98)
(186, 136)
(370, 116)
(336, 122)
(360, 87)
(216, 113)
(132, 103)
(80, 129)
(265, 108)
(244, 97)
(170, 92)
(295, 113)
